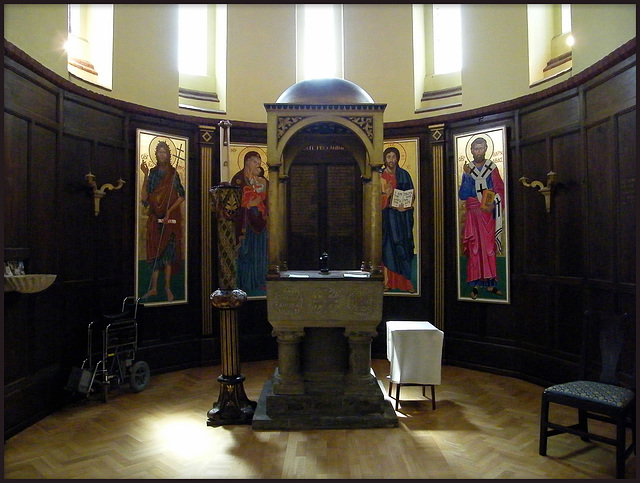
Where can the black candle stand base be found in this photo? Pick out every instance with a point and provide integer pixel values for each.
(233, 405)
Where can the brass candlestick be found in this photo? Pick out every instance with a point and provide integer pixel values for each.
(233, 405)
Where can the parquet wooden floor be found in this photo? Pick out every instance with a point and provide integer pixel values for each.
(485, 426)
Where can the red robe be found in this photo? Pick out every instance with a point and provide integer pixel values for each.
(160, 234)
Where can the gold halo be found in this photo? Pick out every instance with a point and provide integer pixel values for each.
(242, 154)
(487, 138)
(403, 152)
(154, 142)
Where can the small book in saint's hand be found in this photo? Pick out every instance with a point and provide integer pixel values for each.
(488, 197)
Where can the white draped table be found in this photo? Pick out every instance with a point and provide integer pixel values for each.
(414, 350)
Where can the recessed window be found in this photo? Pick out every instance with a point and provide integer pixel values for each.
(202, 57)
(565, 21)
(447, 39)
(437, 48)
(192, 42)
(89, 43)
(550, 41)
(319, 41)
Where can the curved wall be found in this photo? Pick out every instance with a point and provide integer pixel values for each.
(54, 131)
(261, 51)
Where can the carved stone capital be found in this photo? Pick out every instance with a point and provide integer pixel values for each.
(361, 336)
(288, 336)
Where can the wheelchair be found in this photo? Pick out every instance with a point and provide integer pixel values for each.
(112, 342)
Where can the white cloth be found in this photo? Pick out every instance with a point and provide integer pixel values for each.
(414, 350)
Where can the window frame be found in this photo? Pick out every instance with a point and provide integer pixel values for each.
(89, 43)
(433, 92)
(207, 93)
(550, 54)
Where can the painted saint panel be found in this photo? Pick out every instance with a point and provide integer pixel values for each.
(161, 218)
(401, 217)
(481, 210)
(249, 171)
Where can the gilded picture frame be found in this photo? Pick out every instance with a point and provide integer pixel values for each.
(161, 218)
(253, 178)
(401, 225)
(482, 216)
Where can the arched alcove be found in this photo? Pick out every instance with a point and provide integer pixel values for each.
(324, 165)
(324, 113)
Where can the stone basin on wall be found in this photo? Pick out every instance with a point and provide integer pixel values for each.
(32, 283)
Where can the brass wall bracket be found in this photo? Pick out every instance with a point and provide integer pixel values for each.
(99, 193)
(545, 190)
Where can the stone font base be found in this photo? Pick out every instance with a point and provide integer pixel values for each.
(325, 406)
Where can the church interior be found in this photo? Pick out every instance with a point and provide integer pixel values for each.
(255, 270)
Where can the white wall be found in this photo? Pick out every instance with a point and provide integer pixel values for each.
(379, 55)
(261, 58)
(599, 30)
(261, 51)
(146, 55)
(495, 62)
(40, 31)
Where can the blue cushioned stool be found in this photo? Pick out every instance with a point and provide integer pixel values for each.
(602, 400)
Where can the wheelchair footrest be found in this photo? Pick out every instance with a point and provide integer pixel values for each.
(79, 380)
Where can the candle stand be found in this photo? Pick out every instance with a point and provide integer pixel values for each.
(233, 405)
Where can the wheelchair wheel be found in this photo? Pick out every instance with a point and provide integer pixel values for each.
(140, 374)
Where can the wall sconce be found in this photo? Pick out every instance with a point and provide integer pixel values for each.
(99, 193)
(545, 190)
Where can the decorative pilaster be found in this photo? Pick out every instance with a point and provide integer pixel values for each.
(207, 146)
(437, 154)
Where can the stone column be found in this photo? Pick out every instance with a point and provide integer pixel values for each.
(283, 248)
(288, 377)
(376, 222)
(275, 232)
(367, 253)
(359, 357)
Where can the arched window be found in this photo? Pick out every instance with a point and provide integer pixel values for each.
(319, 41)
(550, 41)
(202, 57)
(90, 43)
(437, 42)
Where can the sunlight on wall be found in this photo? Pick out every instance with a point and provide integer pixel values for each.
(192, 42)
(89, 43)
(319, 41)
(202, 57)
(447, 39)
